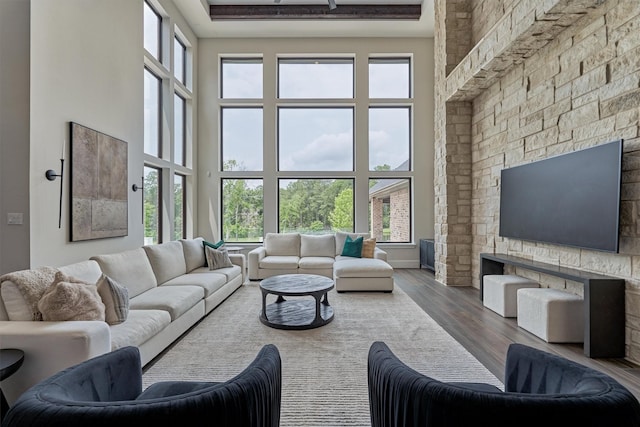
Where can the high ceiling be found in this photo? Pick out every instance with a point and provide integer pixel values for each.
(197, 14)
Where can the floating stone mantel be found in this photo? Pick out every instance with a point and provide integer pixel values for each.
(518, 35)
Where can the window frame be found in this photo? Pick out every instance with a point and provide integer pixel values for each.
(272, 105)
(160, 33)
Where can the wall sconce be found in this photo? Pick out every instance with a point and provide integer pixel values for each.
(136, 187)
(51, 176)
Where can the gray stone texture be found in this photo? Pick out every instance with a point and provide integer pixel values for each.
(532, 79)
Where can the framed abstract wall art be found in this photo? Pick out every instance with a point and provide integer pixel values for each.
(99, 184)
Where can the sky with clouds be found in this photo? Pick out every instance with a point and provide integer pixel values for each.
(312, 138)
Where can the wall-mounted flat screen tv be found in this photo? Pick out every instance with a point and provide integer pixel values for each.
(572, 199)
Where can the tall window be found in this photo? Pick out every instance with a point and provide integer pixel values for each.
(320, 153)
(152, 111)
(179, 206)
(152, 206)
(390, 145)
(152, 31)
(179, 128)
(180, 61)
(167, 162)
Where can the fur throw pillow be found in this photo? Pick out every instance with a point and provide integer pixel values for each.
(69, 300)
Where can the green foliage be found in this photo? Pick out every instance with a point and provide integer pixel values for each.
(242, 211)
(342, 215)
(306, 204)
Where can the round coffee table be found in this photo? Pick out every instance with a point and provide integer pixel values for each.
(298, 313)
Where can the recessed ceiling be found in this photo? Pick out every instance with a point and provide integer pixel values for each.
(196, 12)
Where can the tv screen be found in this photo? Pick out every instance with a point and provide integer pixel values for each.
(572, 199)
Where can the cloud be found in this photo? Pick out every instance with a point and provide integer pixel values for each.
(328, 152)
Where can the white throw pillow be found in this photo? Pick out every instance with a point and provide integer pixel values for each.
(217, 258)
(115, 298)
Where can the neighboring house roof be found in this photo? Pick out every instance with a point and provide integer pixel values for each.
(384, 187)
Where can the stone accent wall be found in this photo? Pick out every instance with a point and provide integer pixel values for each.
(452, 176)
(574, 90)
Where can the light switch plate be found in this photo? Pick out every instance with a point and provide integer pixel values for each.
(14, 218)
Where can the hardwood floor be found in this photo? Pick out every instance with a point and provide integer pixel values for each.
(487, 335)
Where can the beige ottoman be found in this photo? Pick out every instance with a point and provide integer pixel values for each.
(553, 315)
(500, 292)
(362, 274)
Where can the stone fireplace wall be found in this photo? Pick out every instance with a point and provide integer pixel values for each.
(540, 79)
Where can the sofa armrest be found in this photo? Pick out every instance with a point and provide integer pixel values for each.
(50, 347)
(255, 255)
(379, 254)
(240, 261)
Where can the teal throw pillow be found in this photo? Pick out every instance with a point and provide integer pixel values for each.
(352, 248)
(215, 245)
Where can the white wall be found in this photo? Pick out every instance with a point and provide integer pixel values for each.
(86, 67)
(14, 133)
(400, 255)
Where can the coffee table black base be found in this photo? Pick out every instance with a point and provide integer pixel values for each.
(296, 315)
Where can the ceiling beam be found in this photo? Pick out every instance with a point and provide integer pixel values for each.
(316, 11)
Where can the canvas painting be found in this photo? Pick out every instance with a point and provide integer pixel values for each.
(99, 204)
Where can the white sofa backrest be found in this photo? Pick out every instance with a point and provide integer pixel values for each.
(129, 268)
(322, 245)
(341, 237)
(87, 271)
(193, 253)
(282, 244)
(167, 260)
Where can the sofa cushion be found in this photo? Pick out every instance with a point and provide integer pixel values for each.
(140, 326)
(341, 237)
(229, 272)
(167, 260)
(278, 262)
(177, 300)
(282, 244)
(193, 253)
(361, 267)
(322, 245)
(209, 281)
(88, 271)
(315, 262)
(129, 268)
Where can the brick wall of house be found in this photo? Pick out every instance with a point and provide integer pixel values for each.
(574, 90)
(376, 218)
(400, 215)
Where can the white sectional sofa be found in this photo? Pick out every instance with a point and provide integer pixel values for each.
(291, 253)
(169, 288)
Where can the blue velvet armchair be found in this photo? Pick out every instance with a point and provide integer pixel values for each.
(107, 391)
(541, 389)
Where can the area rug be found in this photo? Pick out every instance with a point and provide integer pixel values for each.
(324, 370)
